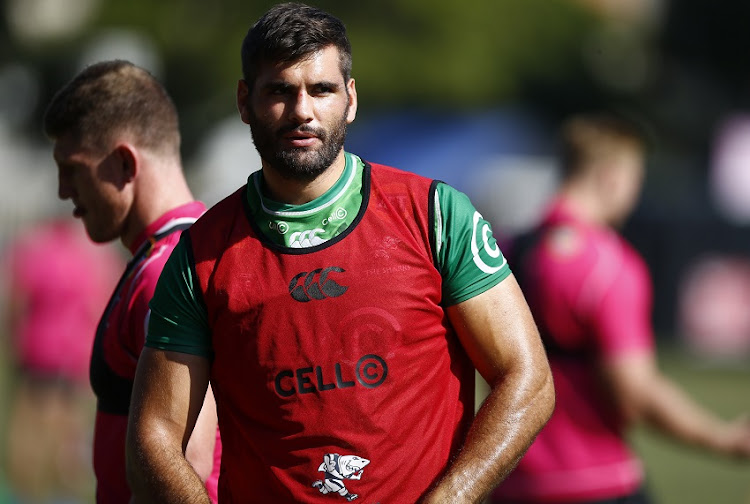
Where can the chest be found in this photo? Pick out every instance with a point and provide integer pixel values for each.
(337, 315)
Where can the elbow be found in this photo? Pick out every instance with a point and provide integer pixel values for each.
(142, 443)
(134, 456)
(546, 397)
(637, 400)
(540, 407)
(630, 414)
(632, 409)
(132, 462)
(538, 394)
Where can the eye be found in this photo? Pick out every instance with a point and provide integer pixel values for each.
(324, 88)
(279, 89)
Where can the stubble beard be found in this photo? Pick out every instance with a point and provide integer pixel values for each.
(301, 164)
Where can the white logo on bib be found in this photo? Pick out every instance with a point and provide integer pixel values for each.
(336, 469)
(489, 249)
(308, 238)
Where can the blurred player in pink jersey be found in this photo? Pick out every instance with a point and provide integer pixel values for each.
(590, 294)
(58, 284)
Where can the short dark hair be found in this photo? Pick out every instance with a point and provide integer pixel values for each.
(589, 137)
(110, 97)
(289, 32)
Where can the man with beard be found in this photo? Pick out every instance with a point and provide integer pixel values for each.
(338, 308)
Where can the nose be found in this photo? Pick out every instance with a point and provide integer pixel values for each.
(301, 110)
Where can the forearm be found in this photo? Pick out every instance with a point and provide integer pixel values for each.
(670, 410)
(158, 472)
(643, 394)
(506, 424)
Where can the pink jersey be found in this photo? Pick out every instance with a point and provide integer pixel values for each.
(590, 294)
(118, 345)
(59, 285)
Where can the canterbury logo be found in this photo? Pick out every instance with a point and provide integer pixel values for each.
(302, 239)
(316, 285)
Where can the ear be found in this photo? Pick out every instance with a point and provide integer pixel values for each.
(243, 96)
(352, 92)
(129, 162)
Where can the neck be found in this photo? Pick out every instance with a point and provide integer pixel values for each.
(584, 203)
(157, 192)
(297, 192)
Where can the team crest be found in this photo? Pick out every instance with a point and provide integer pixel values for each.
(336, 469)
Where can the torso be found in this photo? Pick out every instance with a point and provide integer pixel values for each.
(570, 274)
(332, 357)
(117, 346)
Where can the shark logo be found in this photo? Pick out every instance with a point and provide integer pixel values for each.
(337, 468)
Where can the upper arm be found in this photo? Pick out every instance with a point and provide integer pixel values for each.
(619, 311)
(168, 393)
(498, 332)
(620, 322)
(484, 302)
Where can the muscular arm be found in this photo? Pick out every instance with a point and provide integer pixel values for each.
(168, 393)
(499, 334)
(642, 393)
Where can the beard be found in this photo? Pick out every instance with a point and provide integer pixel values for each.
(300, 164)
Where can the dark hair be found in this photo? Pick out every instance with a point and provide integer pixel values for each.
(110, 97)
(289, 32)
(587, 138)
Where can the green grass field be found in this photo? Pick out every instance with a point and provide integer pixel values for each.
(681, 475)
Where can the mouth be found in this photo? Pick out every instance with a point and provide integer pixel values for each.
(302, 136)
(300, 139)
(78, 212)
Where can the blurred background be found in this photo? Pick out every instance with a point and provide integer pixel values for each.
(472, 93)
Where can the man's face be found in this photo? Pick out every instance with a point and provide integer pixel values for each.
(298, 113)
(625, 178)
(96, 183)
